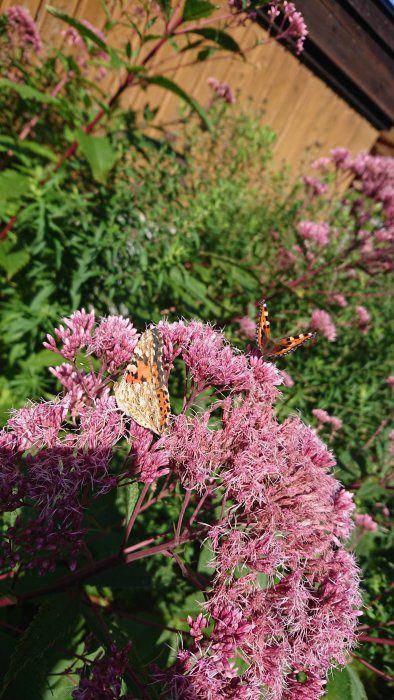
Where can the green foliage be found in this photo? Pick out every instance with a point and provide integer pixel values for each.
(99, 153)
(345, 685)
(49, 625)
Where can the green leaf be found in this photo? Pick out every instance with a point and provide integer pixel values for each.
(31, 683)
(12, 185)
(345, 685)
(131, 492)
(12, 261)
(205, 559)
(81, 28)
(26, 148)
(27, 92)
(99, 153)
(41, 359)
(195, 9)
(50, 624)
(173, 87)
(219, 37)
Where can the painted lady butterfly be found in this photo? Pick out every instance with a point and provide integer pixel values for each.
(142, 392)
(276, 348)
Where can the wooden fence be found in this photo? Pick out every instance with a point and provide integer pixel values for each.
(307, 115)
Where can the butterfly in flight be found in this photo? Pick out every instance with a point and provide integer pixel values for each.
(276, 348)
(142, 392)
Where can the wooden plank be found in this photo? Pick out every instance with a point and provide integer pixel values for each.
(310, 117)
(350, 48)
(51, 29)
(378, 20)
(32, 5)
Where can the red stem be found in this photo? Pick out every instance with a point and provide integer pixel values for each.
(376, 640)
(373, 668)
(181, 515)
(124, 557)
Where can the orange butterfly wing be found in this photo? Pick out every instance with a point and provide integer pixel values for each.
(263, 327)
(276, 348)
(286, 345)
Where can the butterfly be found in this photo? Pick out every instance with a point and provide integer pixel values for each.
(276, 348)
(142, 392)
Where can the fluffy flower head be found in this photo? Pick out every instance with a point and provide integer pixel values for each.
(322, 322)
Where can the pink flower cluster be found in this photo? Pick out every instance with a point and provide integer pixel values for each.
(292, 26)
(373, 208)
(284, 596)
(339, 299)
(390, 381)
(315, 186)
(74, 38)
(318, 233)
(102, 677)
(365, 522)
(222, 90)
(322, 322)
(247, 326)
(325, 419)
(391, 438)
(364, 318)
(22, 30)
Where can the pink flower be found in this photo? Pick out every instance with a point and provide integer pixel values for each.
(391, 438)
(310, 231)
(259, 491)
(324, 418)
(205, 353)
(363, 318)
(100, 424)
(341, 157)
(197, 626)
(246, 326)
(273, 12)
(321, 164)
(102, 677)
(81, 387)
(287, 379)
(336, 423)
(114, 341)
(316, 186)
(75, 337)
(390, 381)
(38, 425)
(321, 415)
(74, 38)
(364, 521)
(22, 29)
(322, 323)
(344, 507)
(148, 461)
(339, 299)
(222, 90)
(297, 28)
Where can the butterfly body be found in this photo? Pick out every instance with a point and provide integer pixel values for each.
(276, 348)
(142, 392)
